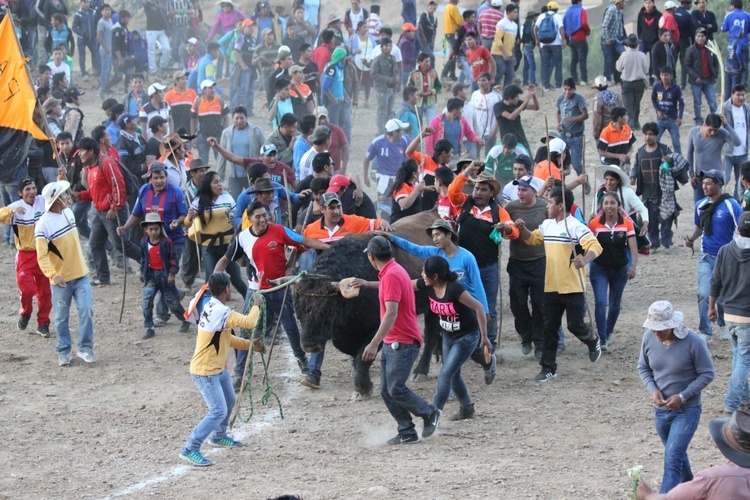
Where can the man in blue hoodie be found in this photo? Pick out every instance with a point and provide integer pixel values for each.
(332, 87)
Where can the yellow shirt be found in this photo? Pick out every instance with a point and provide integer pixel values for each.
(24, 224)
(452, 19)
(58, 249)
(215, 336)
(218, 229)
(505, 38)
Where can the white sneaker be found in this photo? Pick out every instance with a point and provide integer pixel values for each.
(63, 359)
(87, 356)
(725, 335)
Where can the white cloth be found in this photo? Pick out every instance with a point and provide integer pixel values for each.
(484, 122)
(395, 52)
(558, 25)
(740, 127)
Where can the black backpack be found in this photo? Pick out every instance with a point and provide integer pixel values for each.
(132, 185)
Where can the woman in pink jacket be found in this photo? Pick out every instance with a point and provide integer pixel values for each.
(226, 19)
(453, 126)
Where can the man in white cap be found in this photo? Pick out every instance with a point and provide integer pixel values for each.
(61, 259)
(390, 150)
(675, 366)
(210, 117)
(156, 106)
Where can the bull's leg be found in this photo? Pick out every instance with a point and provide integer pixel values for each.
(361, 372)
(431, 344)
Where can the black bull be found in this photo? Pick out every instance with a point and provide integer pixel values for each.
(351, 324)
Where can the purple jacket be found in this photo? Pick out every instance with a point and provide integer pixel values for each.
(225, 22)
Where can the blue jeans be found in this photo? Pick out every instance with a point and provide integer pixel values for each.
(465, 76)
(402, 402)
(706, 264)
(676, 429)
(731, 80)
(611, 53)
(579, 53)
(78, 290)
(105, 68)
(551, 58)
(670, 126)
(529, 65)
(490, 281)
(242, 82)
(211, 256)
(81, 213)
(157, 282)
(707, 89)
(738, 392)
(455, 353)
(315, 364)
(505, 72)
(601, 280)
(427, 113)
(218, 393)
(732, 164)
(576, 151)
(346, 120)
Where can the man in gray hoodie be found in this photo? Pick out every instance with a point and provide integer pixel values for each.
(729, 280)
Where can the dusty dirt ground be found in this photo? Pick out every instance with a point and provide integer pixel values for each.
(115, 428)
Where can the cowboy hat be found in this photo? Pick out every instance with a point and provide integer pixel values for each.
(262, 185)
(170, 144)
(488, 178)
(197, 164)
(52, 192)
(732, 437)
(601, 171)
(662, 316)
(152, 218)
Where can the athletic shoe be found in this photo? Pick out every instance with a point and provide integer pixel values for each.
(184, 327)
(23, 322)
(538, 354)
(302, 363)
(148, 334)
(196, 458)
(725, 335)
(545, 376)
(596, 352)
(237, 384)
(411, 438)
(63, 359)
(311, 381)
(225, 442)
(158, 322)
(431, 423)
(583, 83)
(605, 347)
(87, 356)
(464, 413)
(43, 330)
(526, 348)
(490, 371)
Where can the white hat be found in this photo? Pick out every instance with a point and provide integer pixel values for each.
(52, 192)
(192, 41)
(392, 125)
(662, 316)
(556, 146)
(207, 83)
(154, 88)
(496, 3)
(321, 111)
(669, 4)
(601, 82)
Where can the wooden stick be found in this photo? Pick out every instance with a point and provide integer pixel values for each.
(288, 201)
(124, 270)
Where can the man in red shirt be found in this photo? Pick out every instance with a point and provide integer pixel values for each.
(480, 60)
(402, 338)
(321, 56)
(668, 21)
(107, 192)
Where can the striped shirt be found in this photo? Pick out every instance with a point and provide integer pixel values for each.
(23, 224)
(487, 22)
(218, 229)
(58, 248)
(210, 116)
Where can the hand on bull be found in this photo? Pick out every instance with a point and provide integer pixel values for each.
(385, 226)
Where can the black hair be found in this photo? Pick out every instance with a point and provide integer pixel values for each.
(439, 267)
(570, 83)
(108, 103)
(281, 83)
(375, 9)
(256, 171)
(403, 174)
(321, 161)
(613, 194)
(441, 146)
(386, 41)
(253, 206)
(64, 136)
(739, 88)
(125, 13)
(666, 70)
(212, 47)
(42, 93)
(511, 91)
(155, 122)
(454, 103)
(445, 175)
(468, 13)
(513, 7)
(557, 196)
(613, 175)
(525, 161)
(218, 283)
(304, 47)
(713, 120)
(89, 144)
(288, 119)
(484, 74)
(57, 79)
(650, 127)
(307, 124)
(98, 133)
(116, 111)
(663, 31)
(206, 197)
(470, 35)
(327, 35)
(240, 109)
(319, 184)
(744, 230)
(618, 112)
(737, 4)
(43, 68)
(408, 91)
(422, 56)
(360, 24)
(745, 171)
(510, 140)
(388, 31)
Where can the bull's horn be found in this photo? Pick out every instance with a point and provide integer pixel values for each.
(281, 281)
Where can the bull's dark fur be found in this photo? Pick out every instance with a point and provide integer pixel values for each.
(351, 324)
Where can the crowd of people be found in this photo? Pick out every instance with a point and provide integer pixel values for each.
(183, 178)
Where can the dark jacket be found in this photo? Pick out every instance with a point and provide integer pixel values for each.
(730, 278)
(166, 250)
(461, 32)
(700, 20)
(648, 25)
(693, 64)
(84, 25)
(659, 57)
(684, 24)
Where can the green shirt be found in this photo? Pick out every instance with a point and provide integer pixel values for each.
(501, 167)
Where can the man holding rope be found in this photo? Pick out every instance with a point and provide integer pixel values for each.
(563, 280)
(262, 244)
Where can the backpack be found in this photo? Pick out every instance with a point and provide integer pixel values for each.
(132, 185)
(548, 29)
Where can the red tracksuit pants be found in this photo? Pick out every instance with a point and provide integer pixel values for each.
(31, 281)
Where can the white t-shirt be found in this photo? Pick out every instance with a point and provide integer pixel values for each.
(395, 52)
(558, 24)
(484, 121)
(740, 126)
(356, 18)
(306, 163)
(63, 68)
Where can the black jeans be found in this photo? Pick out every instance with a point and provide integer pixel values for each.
(573, 305)
(579, 51)
(103, 229)
(526, 280)
(632, 94)
(189, 267)
(659, 230)
(682, 47)
(450, 65)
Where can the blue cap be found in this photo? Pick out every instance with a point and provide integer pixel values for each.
(714, 174)
(524, 181)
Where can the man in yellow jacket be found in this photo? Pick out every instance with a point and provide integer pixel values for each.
(452, 19)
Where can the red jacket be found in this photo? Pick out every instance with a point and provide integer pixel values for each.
(106, 185)
(322, 56)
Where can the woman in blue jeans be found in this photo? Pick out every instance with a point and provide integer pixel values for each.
(612, 269)
(463, 325)
(675, 366)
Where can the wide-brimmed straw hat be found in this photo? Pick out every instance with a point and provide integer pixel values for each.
(170, 144)
(601, 171)
(152, 218)
(52, 192)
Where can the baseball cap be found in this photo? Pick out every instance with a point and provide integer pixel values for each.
(338, 181)
(552, 6)
(378, 246)
(154, 88)
(297, 68)
(156, 166)
(409, 27)
(392, 125)
(321, 111)
(125, 118)
(192, 41)
(179, 74)
(601, 82)
(714, 174)
(669, 4)
(50, 103)
(329, 198)
(156, 121)
(497, 3)
(284, 52)
(247, 22)
(207, 83)
(524, 181)
(74, 92)
(525, 161)
(267, 149)
(701, 30)
(556, 145)
(320, 133)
